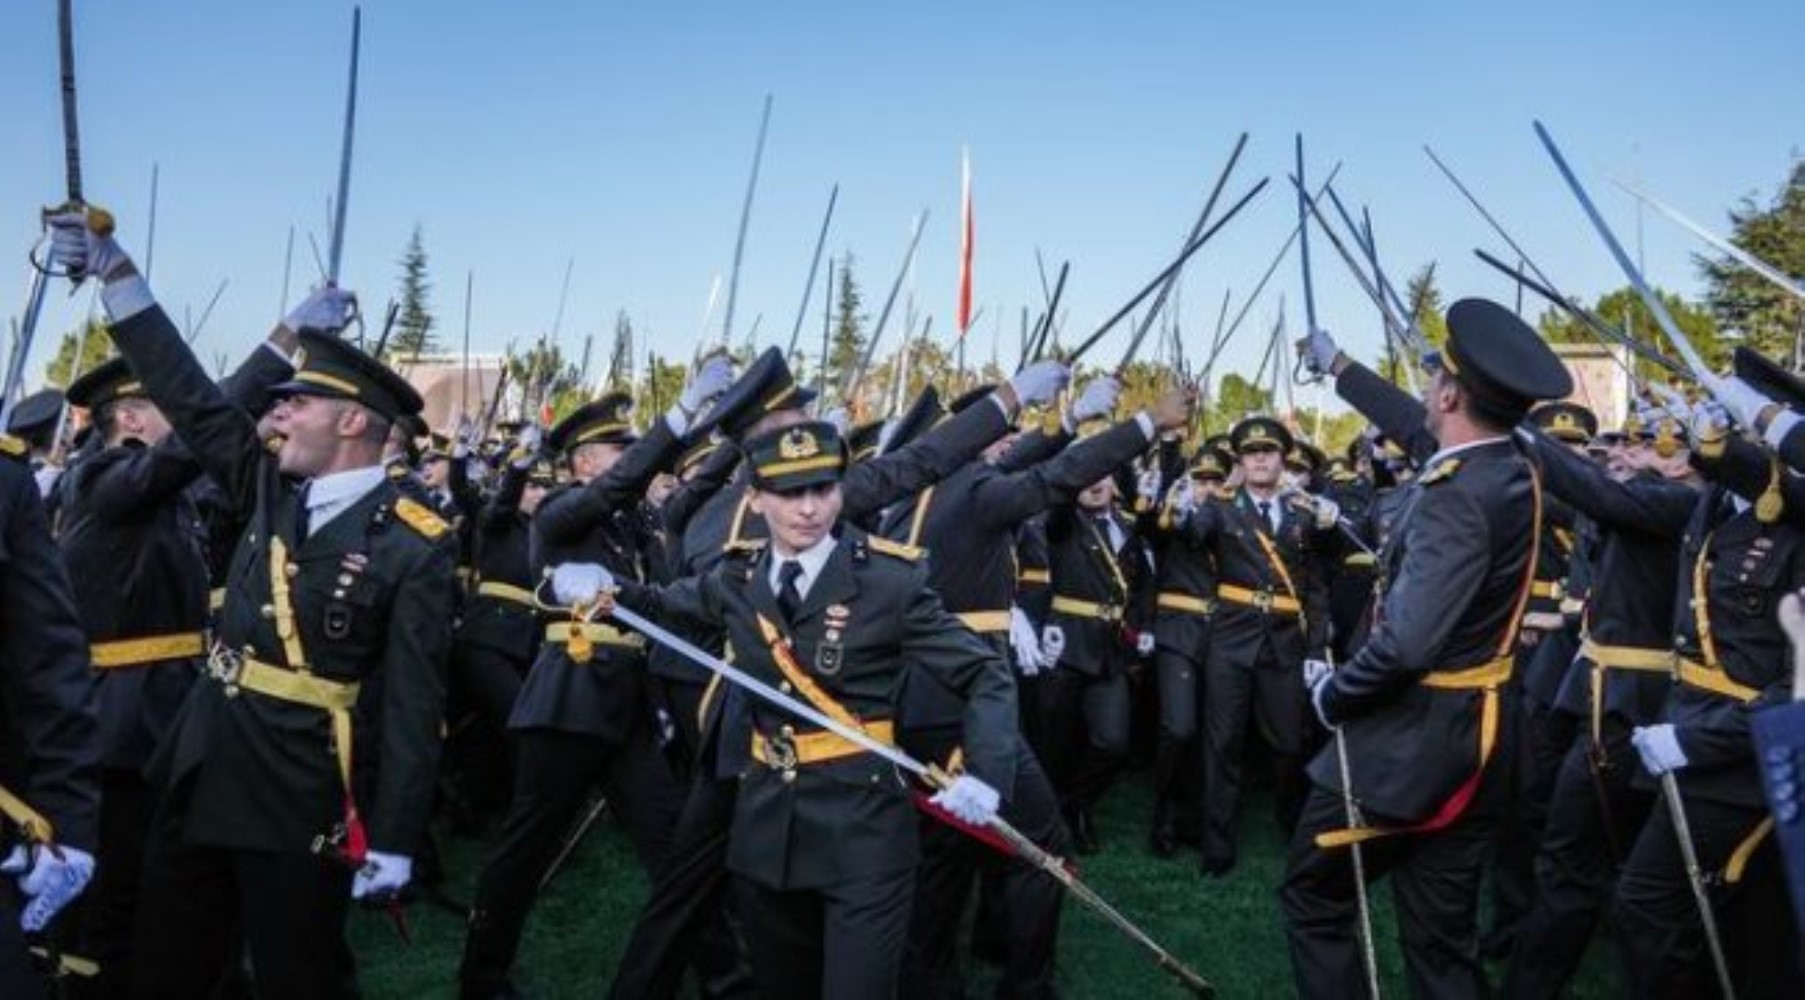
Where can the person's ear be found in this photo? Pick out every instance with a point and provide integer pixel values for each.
(755, 500)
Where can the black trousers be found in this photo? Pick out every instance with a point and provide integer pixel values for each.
(1175, 755)
(478, 757)
(197, 900)
(1593, 817)
(552, 786)
(1026, 914)
(1434, 887)
(1271, 695)
(687, 918)
(839, 942)
(681, 700)
(1658, 923)
(102, 917)
(1085, 720)
(1543, 734)
(17, 977)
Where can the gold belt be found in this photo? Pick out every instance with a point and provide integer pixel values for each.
(1713, 679)
(1172, 600)
(216, 599)
(1086, 609)
(298, 687)
(985, 621)
(117, 653)
(789, 748)
(607, 635)
(35, 827)
(1040, 577)
(1552, 590)
(1660, 661)
(505, 592)
(1263, 600)
(1360, 560)
(1490, 674)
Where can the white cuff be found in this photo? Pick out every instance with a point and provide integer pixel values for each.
(1001, 406)
(677, 421)
(1146, 424)
(126, 297)
(1779, 427)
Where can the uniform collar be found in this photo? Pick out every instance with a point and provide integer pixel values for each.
(813, 560)
(1447, 453)
(343, 488)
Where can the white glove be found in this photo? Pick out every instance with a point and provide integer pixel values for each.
(327, 309)
(527, 442)
(1052, 645)
(969, 799)
(1143, 644)
(1710, 420)
(56, 876)
(710, 380)
(580, 583)
(1097, 399)
(1740, 398)
(1147, 486)
(1315, 671)
(1317, 691)
(1673, 401)
(839, 418)
(80, 251)
(1029, 658)
(1328, 512)
(382, 876)
(1183, 497)
(1660, 748)
(1037, 384)
(1319, 350)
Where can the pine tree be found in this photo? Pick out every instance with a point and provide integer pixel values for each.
(96, 348)
(1768, 318)
(413, 334)
(847, 344)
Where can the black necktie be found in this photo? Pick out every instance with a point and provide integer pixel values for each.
(302, 513)
(789, 599)
(1265, 514)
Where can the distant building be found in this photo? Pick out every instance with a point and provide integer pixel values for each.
(1600, 379)
(451, 390)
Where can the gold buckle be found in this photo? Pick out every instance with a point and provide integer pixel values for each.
(225, 665)
(1262, 599)
(781, 749)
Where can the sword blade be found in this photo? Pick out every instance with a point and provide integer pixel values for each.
(337, 251)
(1682, 832)
(1680, 341)
(1304, 205)
(1741, 256)
(65, 34)
(739, 242)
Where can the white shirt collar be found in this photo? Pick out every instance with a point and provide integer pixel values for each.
(331, 494)
(1447, 453)
(813, 560)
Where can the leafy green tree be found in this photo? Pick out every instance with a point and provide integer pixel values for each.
(1768, 318)
(95, 348)
(846, 345)
(1625, 310)
(1235, 397)
(413, 334)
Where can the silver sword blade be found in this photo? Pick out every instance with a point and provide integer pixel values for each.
(1741, 256)
(337, 252)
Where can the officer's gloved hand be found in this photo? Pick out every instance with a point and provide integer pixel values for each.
(1097, 399)
(76, 249)
(580, 583)
(1146, 486)
(1660, 748)
(51, 876)
(1143, 644)
(841, 419)
(1182, 498)
(711, 379)
(1052, 645)
(1025, 642)
(1743, 401)
(1327, 512)
(526, 443)
(382, 877)
(1320, 351)
(327, 309)
(1711, 420)
(1314, 671)
(969, 799)
(1040, 382)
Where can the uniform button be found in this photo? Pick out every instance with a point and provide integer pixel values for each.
(1787, 812)
(784, 687)
(789, 777)
(338, 595)
(1779, 755)
(292, 570)
(268, 611)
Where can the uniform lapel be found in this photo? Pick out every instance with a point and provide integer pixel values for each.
(343, 531)
(836, 585)
(758, 590)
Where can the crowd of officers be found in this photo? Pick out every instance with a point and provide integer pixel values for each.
(257, 632)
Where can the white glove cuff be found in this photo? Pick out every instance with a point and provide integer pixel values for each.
(1779, 427)
(126, 297)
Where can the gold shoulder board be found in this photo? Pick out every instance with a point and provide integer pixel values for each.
(744, 546)
(1441, 472)
(10, 445)
(907, 553)
(421, 518)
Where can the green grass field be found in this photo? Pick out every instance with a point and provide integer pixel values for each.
(1229, 930)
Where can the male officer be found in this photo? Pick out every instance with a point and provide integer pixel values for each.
(1420, 704)
(330, 649)
(824, 833)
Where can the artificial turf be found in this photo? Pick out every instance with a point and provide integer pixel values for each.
(1228, 929)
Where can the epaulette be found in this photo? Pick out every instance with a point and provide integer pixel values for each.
(907, 553)
(397, 471)
(744, 547)
(1225, 492)
(12, 447)
(1444, 470)
(421, 518)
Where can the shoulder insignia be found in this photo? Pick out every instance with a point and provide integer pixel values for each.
(421, 518)
(12, 446)
(397, 471)
(1225, 493)
(1441, 472)
(907, 553)
(744, 546)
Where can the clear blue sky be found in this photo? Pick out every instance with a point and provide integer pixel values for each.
(521, 134)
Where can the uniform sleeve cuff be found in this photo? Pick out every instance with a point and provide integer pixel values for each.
(1779, 427)
(1146, 424)
(126, 297)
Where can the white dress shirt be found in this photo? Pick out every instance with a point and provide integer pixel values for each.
(330, 495)
(813, 559)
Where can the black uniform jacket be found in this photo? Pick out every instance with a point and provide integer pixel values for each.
(373, 594)
(48, 742)
(1086, 567)
(1229, 528)
(1455, 568)
(500, 547)
(967, 524)
(595, 522)
(866, 623)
